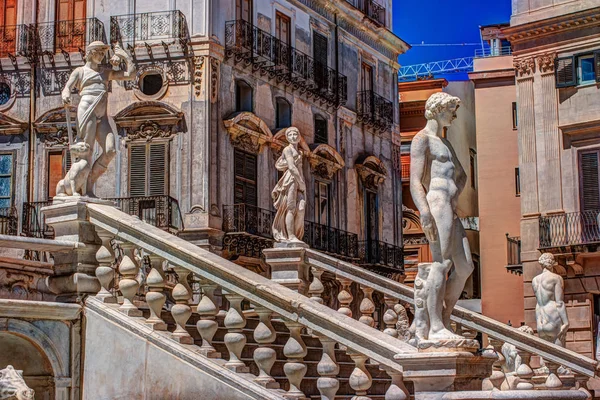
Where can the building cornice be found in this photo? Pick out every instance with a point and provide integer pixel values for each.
(39, 310)
(422, 85)
(492, 74)
(553, 26)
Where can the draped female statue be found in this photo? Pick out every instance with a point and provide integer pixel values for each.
(289, 195)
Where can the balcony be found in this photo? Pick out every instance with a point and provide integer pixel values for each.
(162, 27)
(380, 257)
(513, 255)
(68, 36)
(374, 110)
(248, 231)
(372, 10)
(270, 56)
(493, 52)
(161, 211)
(8, 221)
(570, 232)
(15, 40)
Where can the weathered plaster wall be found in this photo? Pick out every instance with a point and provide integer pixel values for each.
(524, 12)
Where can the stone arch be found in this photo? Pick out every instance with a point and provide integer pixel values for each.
(149, 120)
(372, 171)
(247, 131)
(325, 161)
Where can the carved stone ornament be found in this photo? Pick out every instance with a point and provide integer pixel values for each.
(214, 79)
(60, 138)
(198, 72)
(247, 132)
(372, 172)
(524, 66)
(148, 131)
(325, 161)
(546, 62)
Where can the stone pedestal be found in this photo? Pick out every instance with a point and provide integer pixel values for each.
(74, 270)
(288, 267)
(434, 374)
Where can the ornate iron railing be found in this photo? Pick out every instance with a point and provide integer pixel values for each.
(270, 56)
(570, 229)
(375, 253)
(374, 110)
(15, 40)
(331, 240)
(34, 222)
(143, 27)
(371, 9)
(68, 36)
(161, 211)
(9, 221)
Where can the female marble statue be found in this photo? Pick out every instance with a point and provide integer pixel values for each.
(92, 122)
(290, 192)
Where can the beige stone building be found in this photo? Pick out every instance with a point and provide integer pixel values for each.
(556, 52)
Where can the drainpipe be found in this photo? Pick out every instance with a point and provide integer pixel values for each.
(32, 103)
(337, 129)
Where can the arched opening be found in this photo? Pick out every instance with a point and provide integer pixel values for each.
(243, 96)
(151, 83)
(283, 113)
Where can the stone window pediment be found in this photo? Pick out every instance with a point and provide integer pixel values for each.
(371, 171)
(248, 132)
(148, 121)
(325, 161)
(52, 126)
(11, 126)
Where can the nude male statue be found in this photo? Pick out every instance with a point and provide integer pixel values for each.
(436, 181)
(550, 310)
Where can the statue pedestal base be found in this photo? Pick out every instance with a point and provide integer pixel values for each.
(288, 267)
(440, 372)
(447, 345)
(81, 199)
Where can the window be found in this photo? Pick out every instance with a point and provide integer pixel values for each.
(589, 185)
(244, 170)
(151, 83)
(517, 182)
(473, 167)
(243, 10)
(8, 18)
(372, 216)
(366, 76)
(283, 28)
(68, 36)
(322, 205)
(243, 96)
(321, 130)
(5, 93)
(579, 69)
(148, 169)
(283, 113)
(59, 162)
(320, 45)
(6, 180)
(515, 120)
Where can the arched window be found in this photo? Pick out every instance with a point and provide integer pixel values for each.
(321, 130)
(243, 96)
(283, 113)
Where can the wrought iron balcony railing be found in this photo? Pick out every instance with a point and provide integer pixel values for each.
(153, 26)
(570, 229)
(249, 230)
(405, 172)
(371, 9)
(15, 40)
(374, 110)
(9, 223)
(381, 257)
(277, 59)
(68, 36)
(513, 254)
(34, 222)
(493, 52)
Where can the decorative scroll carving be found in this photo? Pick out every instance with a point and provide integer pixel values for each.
(148, 120)
(372, 172)
(546, 62)
(60, 138)
(325, 161)
(148, 131)
(214, 79)
(524, 66)
(198, 71)
(248, 132)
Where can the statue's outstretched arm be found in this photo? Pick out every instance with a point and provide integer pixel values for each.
(129, 73)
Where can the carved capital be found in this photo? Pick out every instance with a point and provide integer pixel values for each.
(524, 66)
(545, 62)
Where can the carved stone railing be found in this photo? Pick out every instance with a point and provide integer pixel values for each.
(68, 36)
(374, 110)
(527, 345)
(269, 300)
(278, 60)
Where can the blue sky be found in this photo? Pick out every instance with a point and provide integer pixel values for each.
(444, 21)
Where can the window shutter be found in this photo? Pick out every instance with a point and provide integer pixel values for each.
(590, 186)
(320, 45)
(157, 177)
(565, 72)
(250, 174)
(137, 170)
(597, 65)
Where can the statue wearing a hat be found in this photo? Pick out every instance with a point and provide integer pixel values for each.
(92, 122)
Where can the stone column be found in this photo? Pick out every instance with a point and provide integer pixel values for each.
(74, 270)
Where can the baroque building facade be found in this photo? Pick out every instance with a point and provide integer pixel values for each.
(202, 124)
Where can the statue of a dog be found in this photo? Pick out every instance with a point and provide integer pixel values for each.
(75, 181)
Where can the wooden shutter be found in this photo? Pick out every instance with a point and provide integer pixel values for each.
(8, 12)
(366, 77)
(55, 171)
(245, 178)
(158, 169)
(565, 72)
(68, 10)
(243, 10)
(283, 28)
(137, 170)
(589, 180)
(320, 46)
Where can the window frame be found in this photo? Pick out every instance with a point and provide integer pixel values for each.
(515, 116)
(575, 79)
(517, 182)
(11, 197)
(579, 58)
(238, 99)
(66, 165)
(318, 195)
(147, 167)
(473, 167)
(278, 124)
(319, 139)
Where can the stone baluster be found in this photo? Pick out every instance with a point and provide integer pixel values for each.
(360, 379)
(128, 285)
(155, 297)
(553, 381)
(328, 369)
(294, 368)
(581, 382)
(345, 296)
(105, 271)
(235, 340)
(181, 311)
(390, 317)
(497, 377)
(397, 390)
(367, 307)
(524, 371)
(265, 356)
(182, 278)
(316, 288)
(207, 324)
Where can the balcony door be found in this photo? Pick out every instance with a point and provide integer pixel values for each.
(320, 46)
(245, 191)
(243, 10)
(371, 216)
(148, 169)
(59, 162)
(589, 195)
(366, 77)
(70, 25)
(8, 32)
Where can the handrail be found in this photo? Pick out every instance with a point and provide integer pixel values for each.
(469, 319)
(259, 290)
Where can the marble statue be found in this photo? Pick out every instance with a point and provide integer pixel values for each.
(12, 385)
(550, 310)
(92, 121)
(289, 195)
(512, 360)
(75, 181)
(436, 181)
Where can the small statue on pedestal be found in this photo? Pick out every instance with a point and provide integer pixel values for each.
(289, 195)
